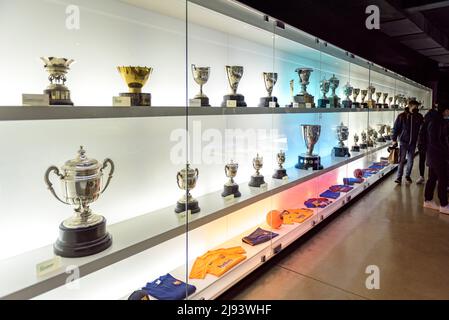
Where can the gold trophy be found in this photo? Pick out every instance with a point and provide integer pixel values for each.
(136, 78)
(58, 93)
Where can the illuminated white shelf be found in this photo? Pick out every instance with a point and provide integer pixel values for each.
(211, 287)
(149, 230)
(61, 113)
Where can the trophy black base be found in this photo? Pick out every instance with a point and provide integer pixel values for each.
(280, 174)
(204, 101)
(82, 242)
(323, 103)
(381, 140)
(356, 105)
(341, 152)
(388, 138)
(240, 99)
(265, 102)
(347, 104)
(334, 102)
(191, 206)
(365, 105)
(304, 100)
(138, 99)
(380, 106)
(59, 97)
(363, 146)
(355, 149)
(305, 162)
(256, 181)
(231, 190)
(386, 106)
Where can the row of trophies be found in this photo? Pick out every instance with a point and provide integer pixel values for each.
(136, 77)
(82, 183)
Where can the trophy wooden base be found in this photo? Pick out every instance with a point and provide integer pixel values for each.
(356, 105)
(341, 152)
(191, 206)
(280, 174)
(305, 162)
(355, 149)
(265, 102)
(347, 104)
(323, 103)
(240, 100)
(82, 242)
(304, 100)
(204, 101)
(138, 99)
(363, 146)
(256, 181)
(231, 190)
(370, 144)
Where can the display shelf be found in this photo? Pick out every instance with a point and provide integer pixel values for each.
(148, 230)
(61, 113)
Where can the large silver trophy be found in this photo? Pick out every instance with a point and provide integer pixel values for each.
(304, 99)
(384, 98)
(356, 147)
(308, 160)
(201, 76)
(378, 96)
(270, 79)
(347, 90)
(381, 131)
(187, 179)
(363, 94)
(84, 233)
(342, 135)
(323, 102)
(371, 102)
(234, 74)
(257, 179)
(231, 188)
(355, 94)
(364, 144)
(57, 91)
(334, 99)
(280, 172)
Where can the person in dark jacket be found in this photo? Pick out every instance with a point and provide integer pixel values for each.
(406, 130)
(438, 158)
(422, 144)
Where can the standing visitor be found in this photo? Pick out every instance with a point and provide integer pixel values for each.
(422, 144)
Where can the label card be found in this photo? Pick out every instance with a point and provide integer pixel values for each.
(285, 178)
(272, 104)
(195, 103)
(263, 186)
(308, 105)
(328, 105)
(121, 101)
(48, 266)
(230, 197)
(231, 103)
(295, 105)
(29, 100)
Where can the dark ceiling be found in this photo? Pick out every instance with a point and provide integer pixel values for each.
(412, 40)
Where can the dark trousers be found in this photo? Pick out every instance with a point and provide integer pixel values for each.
(440, 175)
(422, 163)
(406, 156)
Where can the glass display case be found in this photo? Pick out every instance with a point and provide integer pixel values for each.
(200, 122)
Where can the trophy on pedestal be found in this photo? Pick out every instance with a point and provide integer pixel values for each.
(270, 79)
(292, 90)
(355, 94)
(342, 135)
(257, 180)
(390, 102)
(347, 90)
(308, 160)
(58, 93)
(85, 233)
(371, 103)
(280, 172)
(334, 100)
(364, 93)
(356, 147)
(201, 76)
(231, 188)
(381, 131)
(364, 144)
(234, 74)
(396, 102)
(378, 96)
(370, 141)
(388, 132)
(385, 96)
(375, 136)
(136, 78)
(304, 99)
(187, 179)
(324, 88)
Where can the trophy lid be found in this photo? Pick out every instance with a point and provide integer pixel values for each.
(81, 163)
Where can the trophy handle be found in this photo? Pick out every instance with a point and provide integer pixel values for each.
(197, 173)
(177, 180)
(111, 172)
(50, 185)
(225, 170)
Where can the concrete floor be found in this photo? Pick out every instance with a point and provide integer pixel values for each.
(387, 228)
